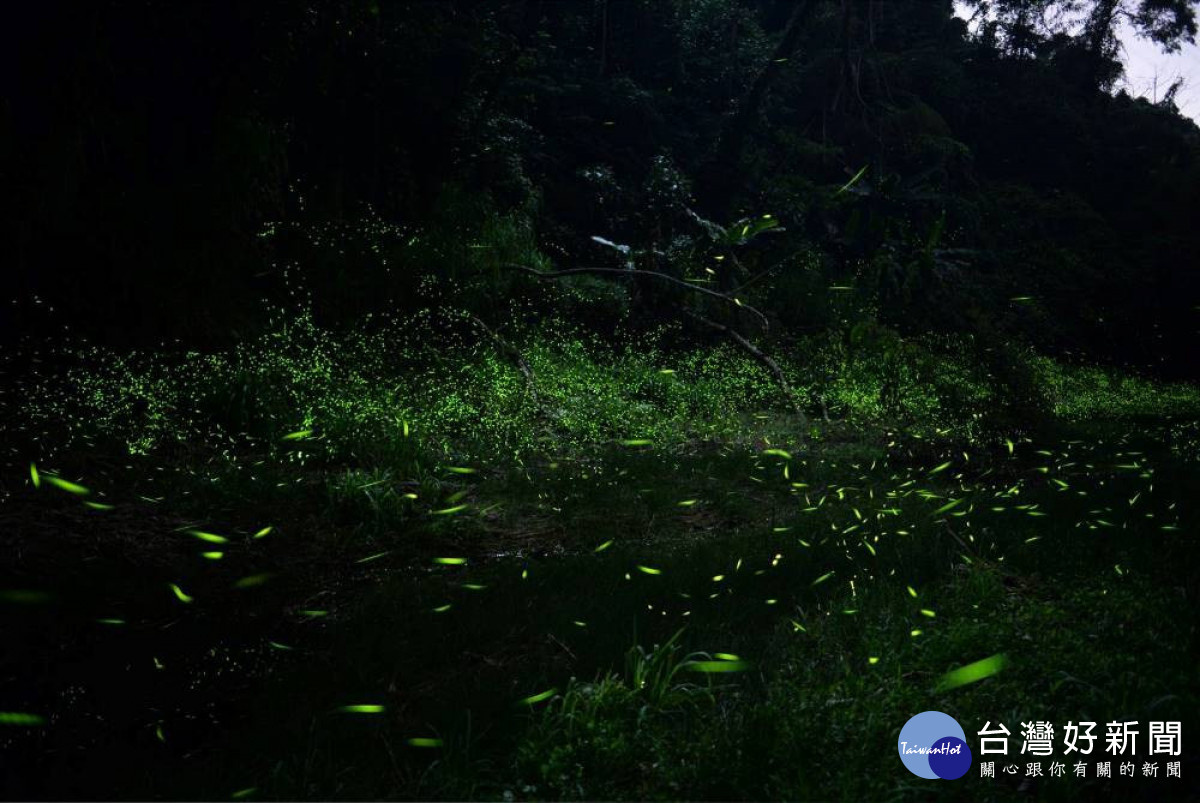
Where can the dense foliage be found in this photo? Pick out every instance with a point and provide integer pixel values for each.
(171, 165)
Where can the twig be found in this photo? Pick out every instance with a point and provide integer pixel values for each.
(558, 274)
(757, 354)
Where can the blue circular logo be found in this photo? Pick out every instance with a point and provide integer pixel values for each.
(932, 745)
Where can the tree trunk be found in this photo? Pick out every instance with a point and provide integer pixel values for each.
(722, 178)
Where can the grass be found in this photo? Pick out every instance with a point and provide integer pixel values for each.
(640, 585)
(819, 721)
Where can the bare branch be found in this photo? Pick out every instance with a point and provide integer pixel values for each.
(513, 352)
(757, 354)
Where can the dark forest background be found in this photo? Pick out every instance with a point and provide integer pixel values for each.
(168, 168)
(608, 399)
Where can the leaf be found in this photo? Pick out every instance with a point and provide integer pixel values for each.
(745, 230)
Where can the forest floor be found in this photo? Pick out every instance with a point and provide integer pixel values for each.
(702, 622)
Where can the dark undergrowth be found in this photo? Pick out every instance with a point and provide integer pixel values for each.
(352, 577)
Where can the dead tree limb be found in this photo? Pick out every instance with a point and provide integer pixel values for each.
(513, 352)
(559, 274)
(757, 354)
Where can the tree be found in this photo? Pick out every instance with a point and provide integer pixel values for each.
(1022, 27)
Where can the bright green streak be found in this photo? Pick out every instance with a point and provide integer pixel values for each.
(953, 503)
(972, 673)
(69, 487)
(211, 538)
(539, 697)
(716, 667)
(253, 580)
(21, 719)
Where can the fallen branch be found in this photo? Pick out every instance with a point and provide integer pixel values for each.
(513, 352)
(757, 354)
(558, 274)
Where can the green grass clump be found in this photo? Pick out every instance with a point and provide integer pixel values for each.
(407, 394)
(820, 719)
(1079, 392)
